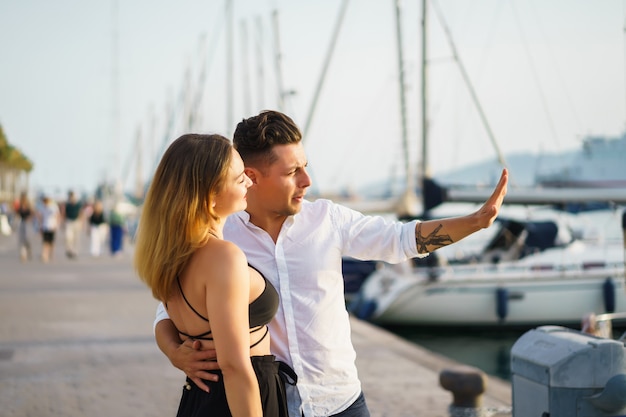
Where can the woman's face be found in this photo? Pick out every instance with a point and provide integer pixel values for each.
(232, 197)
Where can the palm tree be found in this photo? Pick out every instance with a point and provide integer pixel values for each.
(14, 169)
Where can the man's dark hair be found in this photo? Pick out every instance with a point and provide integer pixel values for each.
(255, 137)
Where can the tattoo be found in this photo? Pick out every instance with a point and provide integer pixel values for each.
(422, 242)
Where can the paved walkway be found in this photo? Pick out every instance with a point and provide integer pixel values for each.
(76, 340)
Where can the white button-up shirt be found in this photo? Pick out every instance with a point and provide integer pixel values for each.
(311, 330)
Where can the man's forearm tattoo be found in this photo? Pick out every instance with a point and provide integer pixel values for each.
(432, 239)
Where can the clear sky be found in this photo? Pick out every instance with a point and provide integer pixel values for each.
(80, 81)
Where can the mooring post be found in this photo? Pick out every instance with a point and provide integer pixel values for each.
(467, 385)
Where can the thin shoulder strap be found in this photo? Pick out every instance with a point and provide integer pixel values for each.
(185, 298)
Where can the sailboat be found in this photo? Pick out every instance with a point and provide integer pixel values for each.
(521, 274)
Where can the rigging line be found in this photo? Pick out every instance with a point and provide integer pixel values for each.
(352, 148)
(450, 86)
(557, 68)
(206, 58)
(457, 58)
(535, 75)
(624, 12)
(490, 37)
(174, 104)
(480, 71)
(320, 82)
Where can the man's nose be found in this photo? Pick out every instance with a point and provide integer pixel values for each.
(304, 180)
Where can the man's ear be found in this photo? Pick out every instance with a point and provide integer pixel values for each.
(252, 173)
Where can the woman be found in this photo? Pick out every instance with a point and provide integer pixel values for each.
(116, 229)
(97, 229)
(25, 213)
(210, 292)
(49, 219)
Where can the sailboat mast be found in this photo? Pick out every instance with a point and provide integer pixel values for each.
(139, 152)
(247, 96)
(405, 142)
(115, 99)
(260, 68)
(424, 169)
(230, 79)
(407, 206)
(278, 62)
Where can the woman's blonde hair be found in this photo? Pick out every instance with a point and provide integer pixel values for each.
(177, 213)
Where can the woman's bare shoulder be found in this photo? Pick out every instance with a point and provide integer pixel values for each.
(218, 258)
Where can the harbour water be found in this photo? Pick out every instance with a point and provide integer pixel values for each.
(486, 349)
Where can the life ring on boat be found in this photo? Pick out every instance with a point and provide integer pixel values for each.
(608, 295)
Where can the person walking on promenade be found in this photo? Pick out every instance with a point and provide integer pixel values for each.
(211, 292)
(72, 210)
(49, 220)
(117, 224)
(298, 246)
(24, 212)
(97, 229)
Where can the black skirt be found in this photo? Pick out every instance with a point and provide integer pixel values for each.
(272, 376)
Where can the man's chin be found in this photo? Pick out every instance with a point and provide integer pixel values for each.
(293, 209)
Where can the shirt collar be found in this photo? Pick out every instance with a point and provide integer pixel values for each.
(245, 217)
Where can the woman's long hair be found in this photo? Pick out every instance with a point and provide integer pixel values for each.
(177, 213)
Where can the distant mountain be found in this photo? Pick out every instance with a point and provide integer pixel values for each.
(523, 170)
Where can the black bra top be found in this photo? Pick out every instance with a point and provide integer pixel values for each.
(260, 311)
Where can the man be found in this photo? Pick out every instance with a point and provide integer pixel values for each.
(298, 246)
(72, 219)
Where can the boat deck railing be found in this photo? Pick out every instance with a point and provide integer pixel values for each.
(521, 270)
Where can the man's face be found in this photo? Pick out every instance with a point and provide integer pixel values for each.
(280, 187)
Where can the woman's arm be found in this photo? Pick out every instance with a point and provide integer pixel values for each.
(434, 234)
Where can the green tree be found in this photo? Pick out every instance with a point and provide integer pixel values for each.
(11, 156)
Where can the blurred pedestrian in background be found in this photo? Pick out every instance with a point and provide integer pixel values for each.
(97, 229)
(73, 222)
(116, 229)
(49, 220)
(24, 211)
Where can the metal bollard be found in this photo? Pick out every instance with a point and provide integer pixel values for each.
(467, 385)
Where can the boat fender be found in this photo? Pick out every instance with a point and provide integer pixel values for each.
(365, 309)
(502, 303)
(608, 294)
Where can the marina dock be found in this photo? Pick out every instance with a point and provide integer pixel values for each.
(76, 339)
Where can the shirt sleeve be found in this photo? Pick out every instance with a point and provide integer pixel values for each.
(161, 314)
(375, 237)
